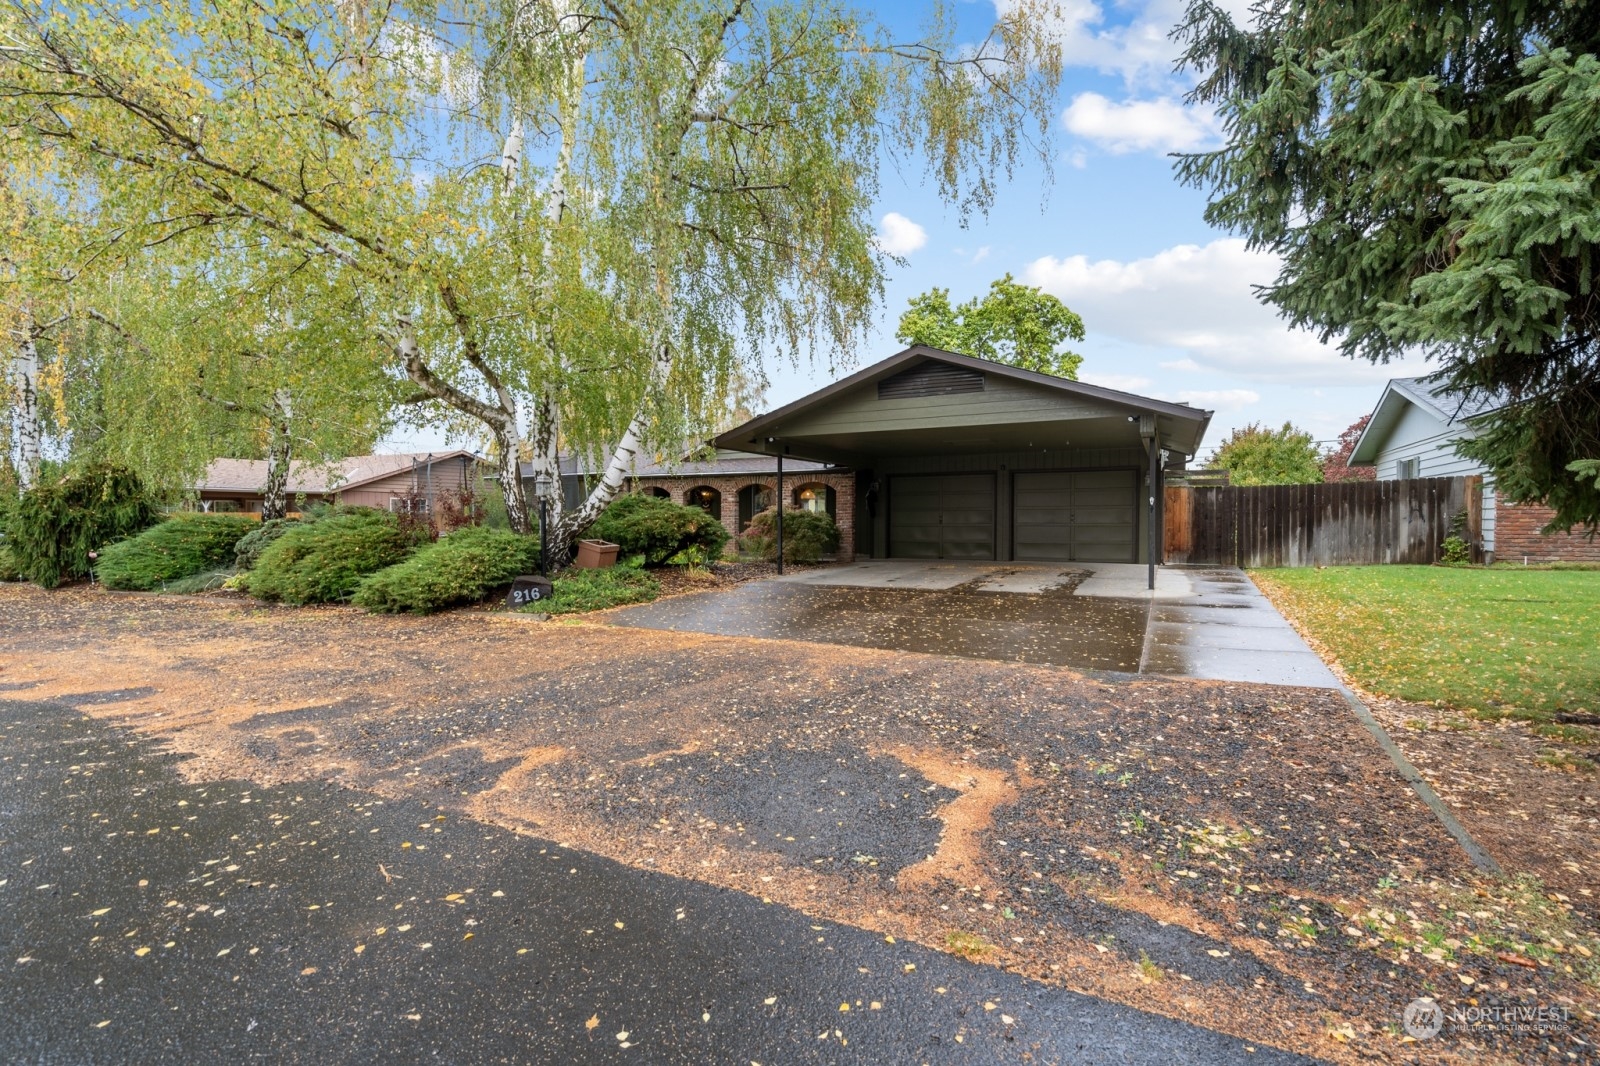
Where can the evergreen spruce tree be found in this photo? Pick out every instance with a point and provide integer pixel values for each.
(1428, 172)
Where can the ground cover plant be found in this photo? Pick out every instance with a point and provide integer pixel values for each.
(180, 547)
(576, 591)
(58, 523)
(659, 529)
(1494, 643)
(807, 536)
(324, 561)
(462, 567)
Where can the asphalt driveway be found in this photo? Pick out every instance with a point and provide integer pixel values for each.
(1210, 623)
(1109, 855)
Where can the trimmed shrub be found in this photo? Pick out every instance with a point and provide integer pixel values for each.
(807, 536)
(9, 570)
(56, 525)
(250, 546)
(182, 546)
(324, 561)
(659, 529)
(576, 591)
(461, 567)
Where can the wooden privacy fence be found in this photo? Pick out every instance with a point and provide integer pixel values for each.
(1343, 524)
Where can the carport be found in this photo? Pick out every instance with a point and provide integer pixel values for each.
(966, 459)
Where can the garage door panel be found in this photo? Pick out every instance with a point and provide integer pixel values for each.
(1087, 516)
(1041, 516)
(941, 516)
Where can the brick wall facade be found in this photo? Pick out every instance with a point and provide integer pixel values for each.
(729, 486)
(1517, 536)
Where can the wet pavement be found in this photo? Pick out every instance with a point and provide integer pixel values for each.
(1209, 623)
(150, 919)
(1051, 627)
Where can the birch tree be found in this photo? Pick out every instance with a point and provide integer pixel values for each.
(571, 221)
(27, 313)
(231, 352)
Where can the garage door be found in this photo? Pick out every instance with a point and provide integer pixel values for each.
(941, 516)
(1084, 516)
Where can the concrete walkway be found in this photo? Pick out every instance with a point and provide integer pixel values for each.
(1210, 623)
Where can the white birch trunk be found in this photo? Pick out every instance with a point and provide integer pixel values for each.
(27, 429)
(545, 427)
(280, 417)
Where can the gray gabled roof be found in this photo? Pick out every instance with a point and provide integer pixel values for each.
(1195, 419)
(319, 479)
(1427, 393)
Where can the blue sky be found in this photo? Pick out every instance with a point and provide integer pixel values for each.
(1166, 299)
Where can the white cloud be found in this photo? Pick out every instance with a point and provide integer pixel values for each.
(1197, 303)
(1219, 399)
(1182, 364)
(1160, 125)
(1137, 49)
(980, 255)
(898, 235)
(1134, 42)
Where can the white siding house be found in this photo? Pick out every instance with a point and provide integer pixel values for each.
(1413, 433)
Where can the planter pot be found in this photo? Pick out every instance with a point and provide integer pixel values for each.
(596, 554)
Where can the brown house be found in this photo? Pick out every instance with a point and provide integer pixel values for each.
(404, 481)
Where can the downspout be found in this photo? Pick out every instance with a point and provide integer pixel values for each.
(773, 440)
(429, 496)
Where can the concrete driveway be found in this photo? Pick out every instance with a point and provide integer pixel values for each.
(1210, 622)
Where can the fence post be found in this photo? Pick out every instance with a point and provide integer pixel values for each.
(1474, 501)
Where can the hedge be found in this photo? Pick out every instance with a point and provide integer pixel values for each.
(9, 570)
(807, 536)
(182, 546)
(659, 529)
(461, 567)
(56, 525)
(248, 551)
(324, 561)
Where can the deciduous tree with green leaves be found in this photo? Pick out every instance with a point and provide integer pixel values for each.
(1012, 323)
(1427, 173)
(563, 222)
(1256, 455)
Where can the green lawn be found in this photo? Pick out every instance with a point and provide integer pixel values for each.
(1495, 643)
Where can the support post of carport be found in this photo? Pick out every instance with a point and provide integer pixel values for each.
(779, 519)
(1148, 434)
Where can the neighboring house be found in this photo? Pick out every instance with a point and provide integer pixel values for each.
(405, 481)
(1413, 433)
(932, 455)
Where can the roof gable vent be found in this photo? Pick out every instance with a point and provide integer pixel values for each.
(930, 379)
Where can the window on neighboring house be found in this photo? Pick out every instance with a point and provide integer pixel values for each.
(408, 504)
(1407, 468)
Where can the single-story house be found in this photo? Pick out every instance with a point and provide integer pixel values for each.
(1413, 433)
(731, 486)
(932, 455)
(404, 481)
